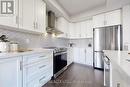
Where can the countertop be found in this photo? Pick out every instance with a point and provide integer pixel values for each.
(26, 52)
(119, 61)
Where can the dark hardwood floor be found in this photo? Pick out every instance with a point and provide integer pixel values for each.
(78, 76)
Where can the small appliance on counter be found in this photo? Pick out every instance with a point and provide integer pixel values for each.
(4, 44)
(13, 47)
(7, 46)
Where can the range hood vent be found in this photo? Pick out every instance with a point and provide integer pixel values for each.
(51, 29)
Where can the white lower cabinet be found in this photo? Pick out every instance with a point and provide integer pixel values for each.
(11, 72)
(83, 56)
(37, 69)
(89, 56)
(76, 55)
(32, 70)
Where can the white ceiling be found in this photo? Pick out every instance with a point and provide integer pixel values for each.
(75, 7)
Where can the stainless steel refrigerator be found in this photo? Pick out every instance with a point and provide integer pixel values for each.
(106, 38)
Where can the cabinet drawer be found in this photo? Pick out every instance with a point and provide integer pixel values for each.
(31, 71)
(35, 58)
(33, 83)
(39, 79)
(45, 77)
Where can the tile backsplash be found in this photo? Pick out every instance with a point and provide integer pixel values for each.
(82, 43)
(26, 40)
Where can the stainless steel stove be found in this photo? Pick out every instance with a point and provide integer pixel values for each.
(57, 49)
(59, 60)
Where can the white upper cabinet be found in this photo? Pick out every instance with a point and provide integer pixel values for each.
(86, 29)
(27, 14)
(74, 30)
(71, 31)
(40, 15)
(107, 19)
(98, 20)
(62, 25)
(32, 15)
(113, 18)
(10, 19)
(77, 27)
(83, 29)
(89, 28)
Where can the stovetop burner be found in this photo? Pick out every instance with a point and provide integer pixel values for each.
(57, 49)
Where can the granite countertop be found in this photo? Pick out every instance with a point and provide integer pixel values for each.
(119, 59)
(23, 52)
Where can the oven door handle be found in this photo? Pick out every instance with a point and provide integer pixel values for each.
(106, 60)
(56, 54)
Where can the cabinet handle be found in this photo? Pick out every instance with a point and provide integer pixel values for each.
(17, 20)
(21, 65)
(42, 78)
(66, 35)
(42, 56)
(34, 25)
(118, 85)
(105, 22)
(42, 66)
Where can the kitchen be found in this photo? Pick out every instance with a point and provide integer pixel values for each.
(60, 43)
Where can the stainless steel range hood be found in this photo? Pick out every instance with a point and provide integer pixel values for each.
(51, 29)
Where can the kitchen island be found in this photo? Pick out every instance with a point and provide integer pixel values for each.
(119, 68)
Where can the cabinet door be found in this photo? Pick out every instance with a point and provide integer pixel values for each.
(89, 28)
(113, 18)
(10, 19)
(98, 20)
(76, 55)
(10, 72)
(27, 14)
(77, 28)
(82, 54)
(40, 16)
(71, 31)
(89, 56)
(84, 29)
(62, 25)
(79, 55)
(33, 83)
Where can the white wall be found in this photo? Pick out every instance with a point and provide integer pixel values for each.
(33, 41)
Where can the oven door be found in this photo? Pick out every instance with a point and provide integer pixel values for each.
(59, 61)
